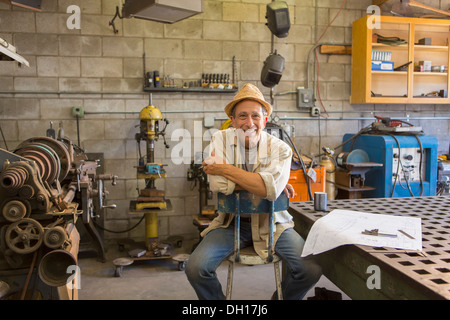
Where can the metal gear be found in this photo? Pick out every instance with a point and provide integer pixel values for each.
(24, 236)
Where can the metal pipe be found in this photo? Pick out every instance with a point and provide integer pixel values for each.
(70, 92)
(221, 111)
(356, 118)
(70, 193)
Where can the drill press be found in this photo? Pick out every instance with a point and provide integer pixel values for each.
(150, 197)
(150, 200)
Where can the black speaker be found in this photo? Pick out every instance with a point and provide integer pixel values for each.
(272, 70)
(277, 16)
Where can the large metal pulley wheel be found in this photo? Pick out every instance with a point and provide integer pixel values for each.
(15, 210)
(51, 156)
(24, 236)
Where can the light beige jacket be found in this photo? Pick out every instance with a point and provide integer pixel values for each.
(272, 161)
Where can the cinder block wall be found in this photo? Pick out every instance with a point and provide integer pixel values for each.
(102, 72)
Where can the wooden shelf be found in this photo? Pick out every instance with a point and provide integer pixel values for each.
(187, 90)
(400, 87)
(441, 74)
(390, 73)
(430, 48)
(382, 46)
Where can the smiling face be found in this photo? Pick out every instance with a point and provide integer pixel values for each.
(249, 118)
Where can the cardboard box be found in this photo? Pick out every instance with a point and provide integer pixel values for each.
(382, 66)
(426, 66)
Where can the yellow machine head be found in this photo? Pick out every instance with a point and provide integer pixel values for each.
(149, 117)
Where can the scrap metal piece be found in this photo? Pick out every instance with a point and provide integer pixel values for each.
(374, 232)
(409, 236)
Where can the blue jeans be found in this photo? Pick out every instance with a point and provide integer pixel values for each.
(302, 273)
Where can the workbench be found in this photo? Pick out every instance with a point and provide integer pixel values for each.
(403, 274)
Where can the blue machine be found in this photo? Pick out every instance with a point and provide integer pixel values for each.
(406, 172)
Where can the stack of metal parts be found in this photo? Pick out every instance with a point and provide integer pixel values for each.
(46, 184)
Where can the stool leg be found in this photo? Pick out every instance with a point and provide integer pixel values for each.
(278, 280)
(230, 280)
(118, 271)
(237, 238)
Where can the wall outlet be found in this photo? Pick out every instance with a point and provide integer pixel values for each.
(78, 112)
(305, 98)
(315, 112)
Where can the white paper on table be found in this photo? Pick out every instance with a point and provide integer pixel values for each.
(341, 227)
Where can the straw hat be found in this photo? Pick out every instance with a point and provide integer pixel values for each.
(251, 92)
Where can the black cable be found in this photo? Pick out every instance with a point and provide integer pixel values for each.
(320, 136)
(123, 231)
(407, 182)
(398, 166)
(78, 130)
(408, 187)
(111, 23)
(360, 132)
(308, 183)
(420, 165)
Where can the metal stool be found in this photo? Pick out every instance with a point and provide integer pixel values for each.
(243, 202)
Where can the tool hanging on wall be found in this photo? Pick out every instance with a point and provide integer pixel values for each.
(404, 8)
(278, 22)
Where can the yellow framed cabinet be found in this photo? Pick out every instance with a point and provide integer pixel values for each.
(381, 47)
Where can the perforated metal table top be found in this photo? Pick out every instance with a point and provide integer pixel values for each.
(429, 270)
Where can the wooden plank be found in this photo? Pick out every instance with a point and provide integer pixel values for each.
(410, 81)
(379, 2)
(361, 62)
(335, 49)
(29, 4)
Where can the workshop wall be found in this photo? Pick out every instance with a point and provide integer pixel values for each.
(102, 72)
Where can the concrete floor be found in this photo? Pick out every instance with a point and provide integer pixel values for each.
(161, 279)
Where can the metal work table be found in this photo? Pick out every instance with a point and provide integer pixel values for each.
(403, 274)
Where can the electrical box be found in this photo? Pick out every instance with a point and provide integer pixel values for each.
(409, 166)
(78, 112)
(305, 98)
(408, 160)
